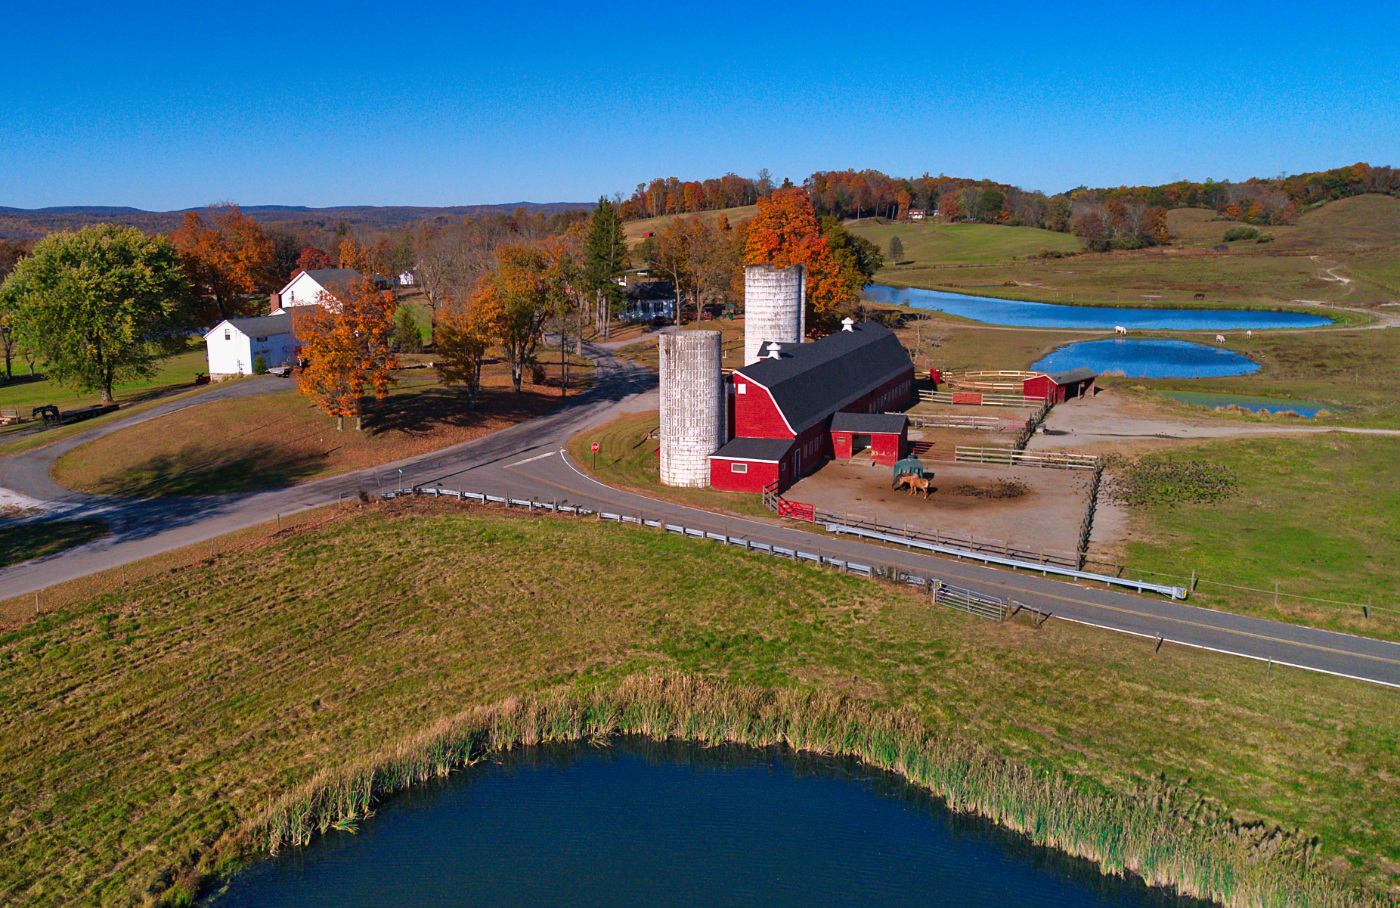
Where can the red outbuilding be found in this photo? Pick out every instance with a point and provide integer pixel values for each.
(782, 406)
(885, 434)
(1060, 386)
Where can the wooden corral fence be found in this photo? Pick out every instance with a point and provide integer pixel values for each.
(1086, 526)
(953, 421)
(1010, 457)
(978, 399)
(1000, 381)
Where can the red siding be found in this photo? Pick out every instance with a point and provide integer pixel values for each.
(1042, 388)
(755, 413)
(759, 475)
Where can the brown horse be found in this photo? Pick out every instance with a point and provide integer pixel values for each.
(919, 484)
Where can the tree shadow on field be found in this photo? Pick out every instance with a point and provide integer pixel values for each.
(420, 412)
(24, 541)
(197, 469)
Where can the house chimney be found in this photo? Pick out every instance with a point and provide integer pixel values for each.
(847, 324)
(773, 351)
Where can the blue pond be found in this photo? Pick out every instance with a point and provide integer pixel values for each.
(994, 311)
(1254, 404)
(642, 823)
(1148, 359)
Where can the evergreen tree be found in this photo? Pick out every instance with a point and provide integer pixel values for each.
(896, 250)
(604, 258)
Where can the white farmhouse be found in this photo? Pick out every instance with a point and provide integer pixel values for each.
(407, 279)
(306, 287)
(234, 344)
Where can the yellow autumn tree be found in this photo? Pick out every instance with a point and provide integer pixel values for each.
(464, 333)
(785, 232)
(346, 342)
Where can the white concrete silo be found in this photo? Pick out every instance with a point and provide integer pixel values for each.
(692, 406)
(774, 307)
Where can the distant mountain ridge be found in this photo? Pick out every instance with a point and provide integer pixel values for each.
(34, 223)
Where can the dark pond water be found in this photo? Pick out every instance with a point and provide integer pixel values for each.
(1255, 404)
(1148, 359)
(641, 823)
(994, 311)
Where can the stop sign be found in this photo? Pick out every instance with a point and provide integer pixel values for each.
(595, 447)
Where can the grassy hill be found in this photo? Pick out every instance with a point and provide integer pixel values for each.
(1345, 252)
(636, 231)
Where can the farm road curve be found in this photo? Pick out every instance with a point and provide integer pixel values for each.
(528, 460)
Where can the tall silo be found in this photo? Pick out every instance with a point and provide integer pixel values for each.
(774, 307)
(692, 406)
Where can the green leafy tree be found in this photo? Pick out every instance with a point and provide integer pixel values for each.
(100, 305)
(896, 250)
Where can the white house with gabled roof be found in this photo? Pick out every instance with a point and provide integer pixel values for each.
(235, 343)
(308, 288)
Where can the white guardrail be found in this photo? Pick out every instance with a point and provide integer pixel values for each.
(1175, 592)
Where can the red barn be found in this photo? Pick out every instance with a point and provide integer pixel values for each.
(783, 404)
(1060, 386)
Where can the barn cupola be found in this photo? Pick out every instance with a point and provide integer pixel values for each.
(848, 324)
(774, 351)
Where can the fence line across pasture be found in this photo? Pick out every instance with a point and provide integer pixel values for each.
(940, 592)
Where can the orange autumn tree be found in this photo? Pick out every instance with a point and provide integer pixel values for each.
(784, 233)
(228, 260)
(346, 343)
(464, 333)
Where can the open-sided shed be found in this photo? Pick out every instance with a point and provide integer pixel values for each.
(1060, 386)
(885, 434)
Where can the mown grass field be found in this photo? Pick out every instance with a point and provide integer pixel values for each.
(1319, 516)
(279, 439)
(627, 459)
(174, 374)
(930, 242)
(145, 724)
(21, 542)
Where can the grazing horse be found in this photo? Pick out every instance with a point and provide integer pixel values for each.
(1220, 338)
(1199, 296)
(1249, 332)
(902, 480)
(1119, 329)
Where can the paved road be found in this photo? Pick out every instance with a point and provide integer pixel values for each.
(528, 460)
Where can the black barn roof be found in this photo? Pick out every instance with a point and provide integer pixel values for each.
(764, 450)
(869, 423)
(809, 382)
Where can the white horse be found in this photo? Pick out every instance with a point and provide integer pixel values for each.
(1220, 338)
(1119, 329)
(1249, 332)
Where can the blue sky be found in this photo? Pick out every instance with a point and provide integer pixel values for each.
(172, 105)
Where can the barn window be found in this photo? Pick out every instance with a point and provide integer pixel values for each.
(740, 388)
(738, 467)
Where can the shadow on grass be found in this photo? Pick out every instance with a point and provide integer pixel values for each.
(420, 412)
(36, 540)
(200, 470)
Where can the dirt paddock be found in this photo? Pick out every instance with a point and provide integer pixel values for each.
(1031, 507)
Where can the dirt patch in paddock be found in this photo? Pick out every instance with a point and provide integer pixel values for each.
(1026, 506)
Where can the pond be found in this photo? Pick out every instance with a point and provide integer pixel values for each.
(1148, 359)
(996, 311)
(1304, 408)
(644, 823)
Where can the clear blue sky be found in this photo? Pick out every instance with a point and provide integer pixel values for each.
(173, 105)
